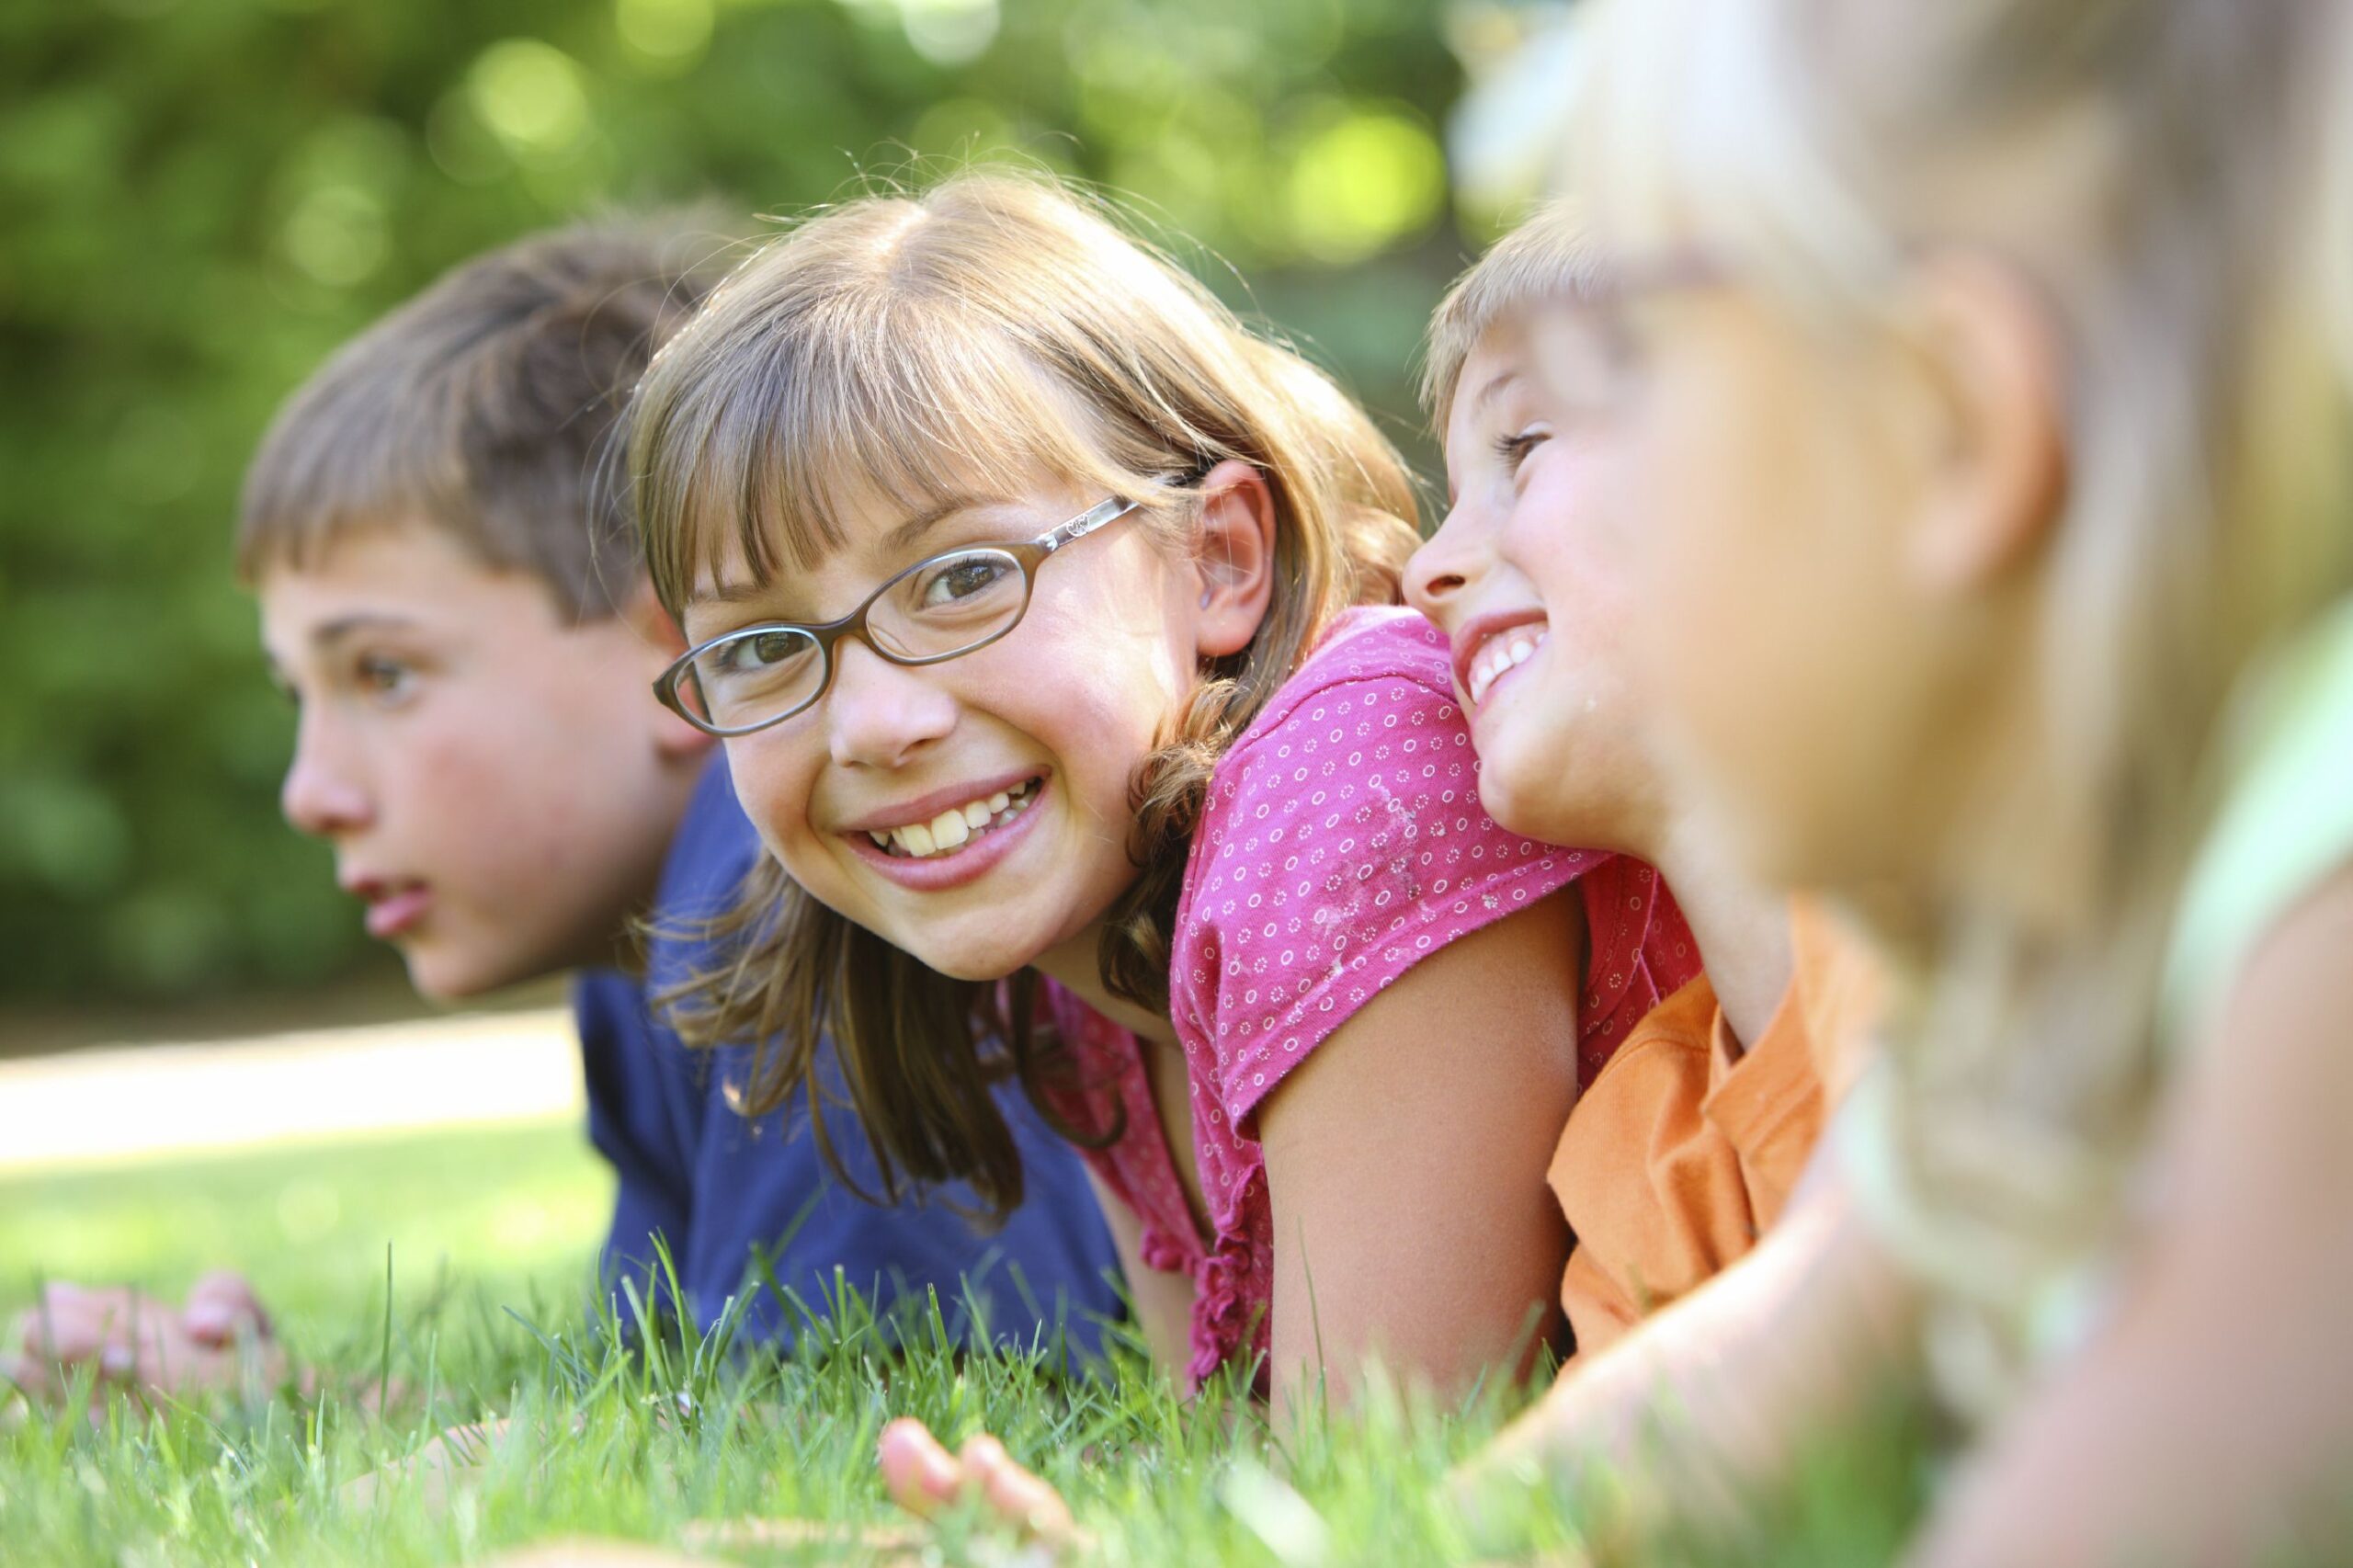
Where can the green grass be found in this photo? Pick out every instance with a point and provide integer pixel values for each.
(491, 1234)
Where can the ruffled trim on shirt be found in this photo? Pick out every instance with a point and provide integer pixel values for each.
(1227, 1313)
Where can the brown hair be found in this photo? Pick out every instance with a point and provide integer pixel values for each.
(1548, 258)
(910, 345)
(482, 406)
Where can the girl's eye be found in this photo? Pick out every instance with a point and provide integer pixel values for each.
(956, 581)
(764, 650)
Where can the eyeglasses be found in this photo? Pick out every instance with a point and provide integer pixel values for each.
(938, 609)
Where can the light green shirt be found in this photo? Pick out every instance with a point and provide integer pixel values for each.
(2285, 825)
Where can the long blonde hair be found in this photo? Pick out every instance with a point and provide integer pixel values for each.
(2157, 157)
(911, 347)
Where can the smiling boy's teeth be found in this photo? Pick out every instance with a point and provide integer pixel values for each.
(1498, 656)
(947, 830)
(914, 838)
(996, 802)
(976, 817)
(881, 839)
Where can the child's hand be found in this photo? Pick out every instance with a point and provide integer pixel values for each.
(923, 1478)
(221, 1340)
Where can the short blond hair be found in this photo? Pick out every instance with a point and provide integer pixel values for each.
(1546, 260)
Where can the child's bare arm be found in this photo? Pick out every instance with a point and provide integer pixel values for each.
(1406, 1165)
(1717, 1392)
(2216, 1412)
(1162, 1302)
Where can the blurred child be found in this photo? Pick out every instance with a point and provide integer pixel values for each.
(1043, 606)
(457, 609)
(1974, 404)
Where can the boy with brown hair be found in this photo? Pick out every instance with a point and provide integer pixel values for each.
(456, 604)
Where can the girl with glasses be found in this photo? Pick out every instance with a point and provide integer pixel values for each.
(1051, 617)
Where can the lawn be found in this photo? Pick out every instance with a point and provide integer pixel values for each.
(491, 1236)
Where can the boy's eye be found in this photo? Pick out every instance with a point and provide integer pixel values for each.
(1515, 449)
(385, 679)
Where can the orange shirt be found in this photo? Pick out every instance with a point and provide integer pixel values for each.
(1682, 1153)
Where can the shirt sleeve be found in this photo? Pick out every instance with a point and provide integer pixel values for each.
(633, 1124)
(1342, 845)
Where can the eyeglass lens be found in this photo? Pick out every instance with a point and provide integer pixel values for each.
(949, 605)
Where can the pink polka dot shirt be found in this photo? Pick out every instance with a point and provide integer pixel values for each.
(1342, 843)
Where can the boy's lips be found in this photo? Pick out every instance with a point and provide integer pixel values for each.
(1489, 647)
(392, 907)
(908, 853)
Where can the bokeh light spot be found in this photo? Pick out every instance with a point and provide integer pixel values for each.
(530, 95)
(1362, 182)
(672, 34)
(336, 234)
(949, 32)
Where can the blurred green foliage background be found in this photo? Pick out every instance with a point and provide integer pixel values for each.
(199, 198)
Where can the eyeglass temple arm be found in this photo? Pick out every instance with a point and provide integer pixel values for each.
(1078, 528)
(1085, 523)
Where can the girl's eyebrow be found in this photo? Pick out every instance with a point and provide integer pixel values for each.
(898, 542)
(905, 536)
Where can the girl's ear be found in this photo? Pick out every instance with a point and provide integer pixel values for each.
(1234, 559)
(658, 631)
(1997, 421)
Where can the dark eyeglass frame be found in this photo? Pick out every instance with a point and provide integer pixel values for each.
(1028, 554)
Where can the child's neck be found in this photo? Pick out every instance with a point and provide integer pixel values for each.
(1076, 966)
(1742, 929)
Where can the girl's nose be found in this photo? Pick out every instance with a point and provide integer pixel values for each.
(879, 715)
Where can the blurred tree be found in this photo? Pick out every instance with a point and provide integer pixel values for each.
(199, 198)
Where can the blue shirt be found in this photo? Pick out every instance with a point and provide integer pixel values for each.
(726, 1193)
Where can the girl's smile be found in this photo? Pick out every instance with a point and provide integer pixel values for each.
(926, 849)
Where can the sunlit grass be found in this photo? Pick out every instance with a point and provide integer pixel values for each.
(490, 1317)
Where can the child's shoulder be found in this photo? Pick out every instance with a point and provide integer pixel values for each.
(1398, 663)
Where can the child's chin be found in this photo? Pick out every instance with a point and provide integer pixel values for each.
(979, 962)
(1522, 804)
(440, 975)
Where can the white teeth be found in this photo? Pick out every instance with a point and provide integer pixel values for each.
(1495, 658)
(956, 826)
